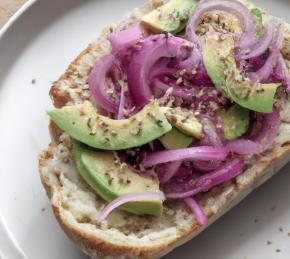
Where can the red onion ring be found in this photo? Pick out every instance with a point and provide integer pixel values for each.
(161, 69)
(281, 72)
(124, 39)
(192, 62)
(265, 138)
(169, 171)
(98, 84)
(264, 73)
(211, 138)
(194, 153)
(260, 48)
(151, 50)
(133, 197)
(176, 90)
(235, 8)
(197, 210)
(208, 181)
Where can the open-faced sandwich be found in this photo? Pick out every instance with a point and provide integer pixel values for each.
(166, 122)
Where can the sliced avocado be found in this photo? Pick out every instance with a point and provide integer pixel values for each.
(185, 121)
(110, 179)
(235, 121)
(175, 139)
(170, 17)
(220, 64)
(84, 124)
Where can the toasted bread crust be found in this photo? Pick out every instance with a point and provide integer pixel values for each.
(97, 247)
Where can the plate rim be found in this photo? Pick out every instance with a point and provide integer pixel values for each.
(16, 16)
(15, 249)
(10, 245)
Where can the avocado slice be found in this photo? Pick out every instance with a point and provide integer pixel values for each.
(184, 120)
(170, 17)
(110, 179)
(220, 64)
(175, 139)
(84, 124)
(235, 121)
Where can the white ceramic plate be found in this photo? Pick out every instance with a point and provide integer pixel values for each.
(39, 45)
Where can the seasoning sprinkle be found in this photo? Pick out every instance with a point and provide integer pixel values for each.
(89, 123)
(114, 133)
(159, 123)
(179, 80)
(123, 167)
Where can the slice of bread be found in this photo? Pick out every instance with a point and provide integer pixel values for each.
(76, 206)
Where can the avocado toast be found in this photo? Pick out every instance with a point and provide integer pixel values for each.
(85, 173)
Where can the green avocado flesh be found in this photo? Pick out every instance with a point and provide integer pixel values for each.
(170, 17)
(184, 121)
(220, 64)
(83, 123)
(235, 121)
(175, 139)
(110, 179)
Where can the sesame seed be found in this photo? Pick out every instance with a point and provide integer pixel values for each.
(179, 80)
(114, 133)
(123, 167)
(182, 72)
(151, 114)
(159, 123)
(103, 124)
(89, 123)
(136, 130)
